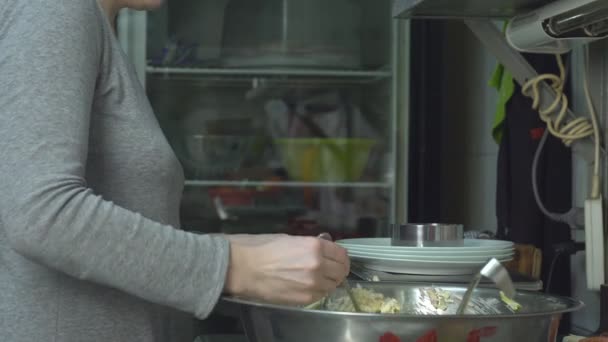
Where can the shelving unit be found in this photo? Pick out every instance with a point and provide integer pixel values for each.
(378, 90)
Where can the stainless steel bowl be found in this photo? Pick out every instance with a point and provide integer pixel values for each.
(490, 319)
(427, 235)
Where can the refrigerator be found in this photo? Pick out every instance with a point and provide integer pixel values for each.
(287, 116)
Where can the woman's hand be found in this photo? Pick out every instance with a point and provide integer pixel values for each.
(284, 269)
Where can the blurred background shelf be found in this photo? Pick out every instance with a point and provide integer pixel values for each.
(289, 184)
(271, 76)
(271, 72)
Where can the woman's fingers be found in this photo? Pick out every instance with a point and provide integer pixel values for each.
(334, 271)
(336, 260)
(334, 252)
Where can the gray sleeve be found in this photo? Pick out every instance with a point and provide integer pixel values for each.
(48, 70)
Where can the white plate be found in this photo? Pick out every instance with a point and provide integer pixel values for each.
(426, 251)
(478, 258)
(384, 244)
(403, 266)
(423, 252)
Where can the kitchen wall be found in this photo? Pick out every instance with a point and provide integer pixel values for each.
(468, 181)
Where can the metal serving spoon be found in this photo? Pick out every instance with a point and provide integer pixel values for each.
(494, 271)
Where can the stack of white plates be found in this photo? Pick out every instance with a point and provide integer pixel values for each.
(378, 254)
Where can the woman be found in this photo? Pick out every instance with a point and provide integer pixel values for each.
(89, 196)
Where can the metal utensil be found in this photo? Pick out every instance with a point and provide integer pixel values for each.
(494, 271)
(345, 284)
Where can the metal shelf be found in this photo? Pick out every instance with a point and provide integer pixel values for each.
(269, 72)
(268, 77)
(460, 9)
(211, 183)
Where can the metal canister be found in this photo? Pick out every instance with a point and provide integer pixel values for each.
(427, 235)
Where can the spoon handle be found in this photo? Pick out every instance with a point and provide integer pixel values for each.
(467, 295)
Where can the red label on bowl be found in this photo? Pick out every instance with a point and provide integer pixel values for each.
(477, 334)
(389, 337)
(431, 336)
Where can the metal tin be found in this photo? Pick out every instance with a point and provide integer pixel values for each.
(488, 318)
(427, 235)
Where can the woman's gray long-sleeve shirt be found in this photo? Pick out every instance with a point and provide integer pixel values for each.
(89, 190)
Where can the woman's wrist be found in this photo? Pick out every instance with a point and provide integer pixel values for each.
(236, 276)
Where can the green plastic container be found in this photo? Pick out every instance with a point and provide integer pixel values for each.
(325, 160)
